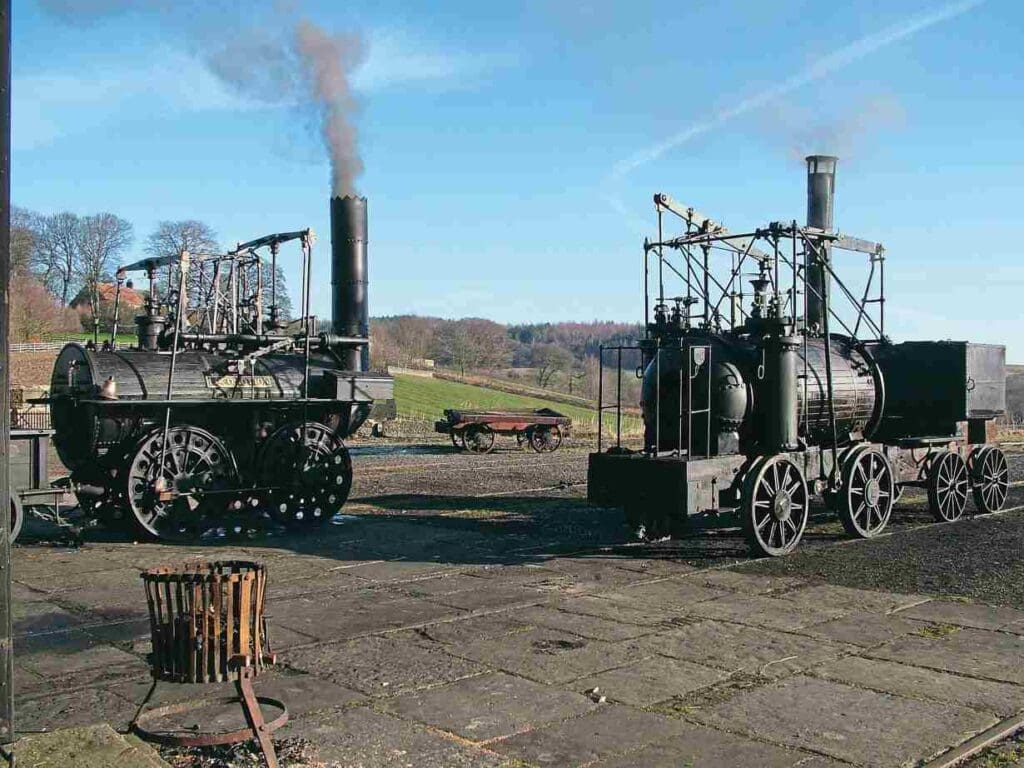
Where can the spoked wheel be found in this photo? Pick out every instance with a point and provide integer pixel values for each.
(867, 493)
(775, 506)
(309, 472)
(546, 439)
(990, 478)
(947, 486)
(478, 438)
(17, 516)
(164, 498)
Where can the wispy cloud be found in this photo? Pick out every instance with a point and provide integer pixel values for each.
(48, 105)
(816, 70)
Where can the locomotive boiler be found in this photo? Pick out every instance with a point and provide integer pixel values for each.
(754, 401)
(225, 409)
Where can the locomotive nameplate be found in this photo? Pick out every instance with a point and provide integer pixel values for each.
(239, 381)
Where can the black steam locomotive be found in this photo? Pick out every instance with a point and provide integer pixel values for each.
(753, 407)
(224, 410)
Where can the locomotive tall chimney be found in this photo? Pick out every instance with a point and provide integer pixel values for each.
(821, 189)
(350, 314)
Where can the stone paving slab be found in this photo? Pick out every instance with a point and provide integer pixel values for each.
(84, 707)
(677, 595)
(999, 698)
(848, 599)
(491, 597)
(383, 665)
(439, 585)
(864, 629)
(362, 738)
(972, 652)
(609, 731)
(399, 570)
(553, 617)
(489, 706)
(863, 727)
(755, 651)
(550, 656)
(640, 613)
(701, 747)
(965, 614)
(745, 583)
(352, 614)
(478, 627)
(594, 574)
(767, 612)
(96, 746)
(650, 681)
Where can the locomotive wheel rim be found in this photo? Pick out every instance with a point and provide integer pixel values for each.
(775, 507)
(990, 478)
(948, 487)
(317, 464)
(869, 493)
(194, 460)
(479, 439)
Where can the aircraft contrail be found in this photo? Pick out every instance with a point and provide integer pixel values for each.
(817, 70)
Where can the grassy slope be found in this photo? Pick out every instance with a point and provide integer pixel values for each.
(426, 399)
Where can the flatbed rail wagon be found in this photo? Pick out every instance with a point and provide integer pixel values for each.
(475, 431)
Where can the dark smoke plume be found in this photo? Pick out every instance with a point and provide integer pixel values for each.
(326, 63)
(309, 69)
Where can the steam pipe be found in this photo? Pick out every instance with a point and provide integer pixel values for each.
(821, 188)
(349, 278)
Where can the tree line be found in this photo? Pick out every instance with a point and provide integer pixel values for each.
(561, 356)
(60, 261)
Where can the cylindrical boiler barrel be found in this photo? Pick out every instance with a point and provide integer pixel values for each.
(350, 313)
(821, 188)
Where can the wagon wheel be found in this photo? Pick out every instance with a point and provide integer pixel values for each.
(478, 438)
(195, 461)
(947, 486)
(774, 507)
(990, 478)
(309, 472)
(546, 439)
(867, 493)
(17, 516)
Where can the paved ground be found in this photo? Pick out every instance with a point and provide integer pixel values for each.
(468, 609)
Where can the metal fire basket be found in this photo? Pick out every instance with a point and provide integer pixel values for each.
(207, 626)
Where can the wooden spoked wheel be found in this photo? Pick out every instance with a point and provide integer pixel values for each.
(166, 479)
(867, 493)
(17, 516)
(990, 478)
(478, 438)
(546, 439)
(774, 507)
(948, 485)
(309, 472)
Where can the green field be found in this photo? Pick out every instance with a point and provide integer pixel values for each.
(426, 399)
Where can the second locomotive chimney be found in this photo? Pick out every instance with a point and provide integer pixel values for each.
(821, 189)
(350, 314)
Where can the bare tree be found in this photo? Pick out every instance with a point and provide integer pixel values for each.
(472, 343)
(25, 227)
(102, 237)
(35, 313)
(549, 359)
(57, 253)
(172, 237)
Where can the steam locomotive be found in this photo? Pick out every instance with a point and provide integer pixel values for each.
(753, 407)
(224, 409)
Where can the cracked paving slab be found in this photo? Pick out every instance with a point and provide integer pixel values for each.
(383, 665)
(971, 652)
(489, 706)
(863, 727)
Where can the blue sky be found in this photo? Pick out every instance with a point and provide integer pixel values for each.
(511, 149)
